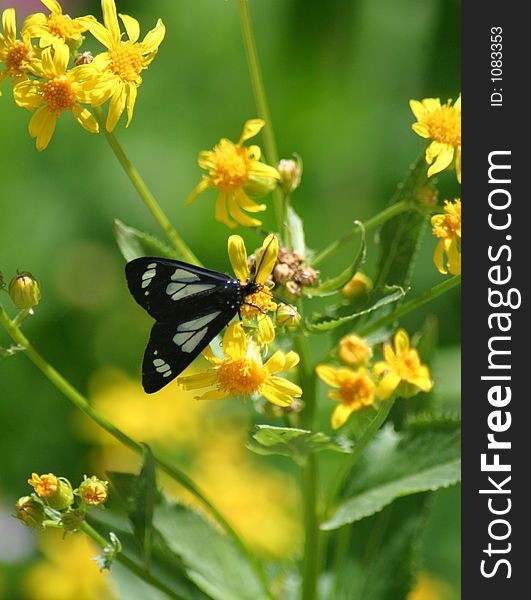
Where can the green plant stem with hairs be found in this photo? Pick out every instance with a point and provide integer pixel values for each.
(83, 404)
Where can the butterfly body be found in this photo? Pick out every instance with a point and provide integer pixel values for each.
(190, 305)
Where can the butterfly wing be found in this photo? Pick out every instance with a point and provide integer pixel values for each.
(173, 345)
(168, 288)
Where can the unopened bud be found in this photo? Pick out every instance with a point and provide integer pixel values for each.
(85, 58)
(93, 491)
(354, 350)
(293, 289)
(57, 491)
(290, 173)
(71, 519)
(287, 316)
(282, 273)
(359, 285)
(25, 291)
(307, 276)
(30, 510)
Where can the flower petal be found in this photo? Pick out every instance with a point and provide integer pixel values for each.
(85, 118)
(444, 158)
(266, 329)
(44, 135)
(110, 18)
(98, 30)
(61, 57)
(276, 362)
(247, 204)
(454, 258)
(235, 341)
(239, 216)
(53, 6)
(132, 27)
(422, 379)
(199, 188)
(212, 395)
(48, 63)
(387, 385)
(340, 415)
(401, 342)
(198, 380)
(458, 163)
(328, 374)
(250, 129)
(210, 356)
(221, 213)
(238, 258)
(438, 257)
(267, 258)
(116, 106)
(26, 94)
(153, 38)
(132, 90)
(9, 23)
(292, 359)
(417, 108)
(275, 397)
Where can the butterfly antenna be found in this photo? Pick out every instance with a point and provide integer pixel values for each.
(257, 270)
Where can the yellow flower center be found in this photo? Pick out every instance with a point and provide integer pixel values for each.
(58, 94)
(356, 391)
(353, 350)
(63, 26)
(240, 376)
(449, 224)
(444, 125)
(230, 170)
(45, 486)
(94, 494)
(17, 59)
(258, 303)
(126, 61)
(407, 365)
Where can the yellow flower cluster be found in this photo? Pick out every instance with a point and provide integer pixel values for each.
(355, 387)
(51, 76)
(441, 123)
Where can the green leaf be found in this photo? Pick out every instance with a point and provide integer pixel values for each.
(211, 559)
(395, 465)
(139, 494)
(327, 323)
(331, 286)
(296, 229)
(298, 444)
(134, 243)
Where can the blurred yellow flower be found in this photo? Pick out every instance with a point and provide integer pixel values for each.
(401, 372)
(355, 390)
(442, 125)
(93, 491)
(430, 588)
(236, 172)
(447, 227)
(242, 374)
(18, 56)
(44, 485)
(67, 570)
(259, 303)
(125, 59)
(55, 29)
(63, 90)
(354, 350)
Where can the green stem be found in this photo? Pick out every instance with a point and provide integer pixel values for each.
(270, 145)
(129, 564)
(385, 215)
(413, 304)
(145, 194)
(83, 404)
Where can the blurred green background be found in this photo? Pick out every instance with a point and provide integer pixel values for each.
(339, 76)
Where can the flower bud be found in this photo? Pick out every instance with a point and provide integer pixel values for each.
(30, 510)
(354, 351)
(85, 58)
(359, 285)
(71, 519)
(260, 185)
(25, 291)
(56, 491)
(93, 491)
(287, 316)
(293, 289)
(290, 173)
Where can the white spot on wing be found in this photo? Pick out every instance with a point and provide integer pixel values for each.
(152, 265)
(190, 290)
(165, 367)
(171, 288)
(149, 274)
(182, 275)
(181, 338)
(167, 374)
(191, 344)
(198, 323)
(158, 362)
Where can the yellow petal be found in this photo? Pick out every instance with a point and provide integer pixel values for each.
(154, 37)
(438, 257)
(431, 104)
(37, 121)
(254, 152)
(387, 385)
(422, 380)
(267, 258)
(417, 109)
(198, 380)
(131, 26)
(110, 18)
(238, 258)
(53, 6)
(210, 356)
(401, 342)
(131, 99)
(457, 103)
(458, 163)
(239, 216)
(340, 415)
(46, 131)
(60, 59)
(199, 188)
(276, 362)
(266, 329)
(388, 353)
(444, 158)
(27, 95)
(85, 118)
(116, 106)
(98, 30)
(221, 213)
(270, 394)
(454, 258)
(251, 128)
(292, 359)
(284, 386)
(421, 130)
(9, 23)
(247, 204)
(213, 395)
(48, 64)
(235, 341)
(328, 374)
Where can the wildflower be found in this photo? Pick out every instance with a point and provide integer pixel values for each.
(55, 29)
(359, 285)
(442, 125)
(287, 316)
(355, 390)
(63, 90)
(290, 271)
(93, 491)
(241, 372)
(401, 372)
(261, 301)
(57, 491)
(236, 171)
(25, 291)
(354, 350)
(18, 56)
(125, 59)
(447, 227)
(30, 510)
(290, 172)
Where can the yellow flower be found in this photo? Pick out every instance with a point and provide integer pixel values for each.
(261, 301)
(236, 171)
(63, 90)
(442, 125)
(125, 59)
(354, 351)
(359, 285)
(401, 371)
(355, 390)
(447, 227)
(18, 56)
(241, 373)
(55, 29)
(45, 486)
(93, 491)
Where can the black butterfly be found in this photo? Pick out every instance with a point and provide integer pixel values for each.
(191, 305)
